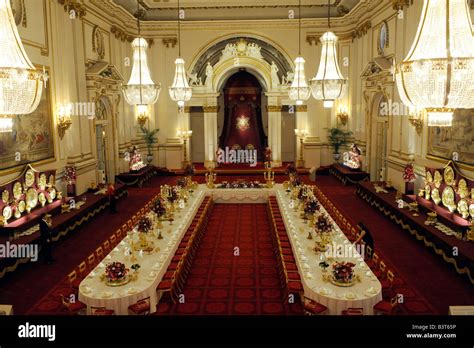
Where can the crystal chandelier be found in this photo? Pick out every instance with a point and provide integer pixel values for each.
(21, 85)
(437, 73)
(299, 90)
(180, 90)
(328, 84)
(140, 90)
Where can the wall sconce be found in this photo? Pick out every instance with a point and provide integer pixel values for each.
(301, 134)
(416, 120)
(342, 116)
(142, 114)
(64, 119)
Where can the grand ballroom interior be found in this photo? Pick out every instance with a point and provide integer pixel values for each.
(236, 158)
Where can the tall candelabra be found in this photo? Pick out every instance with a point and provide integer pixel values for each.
(210, 179)
(185, 135)
(269, 175)
(301, 135)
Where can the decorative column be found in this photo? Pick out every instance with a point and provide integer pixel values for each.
(274, 133)
(210, 135)
(301, 124)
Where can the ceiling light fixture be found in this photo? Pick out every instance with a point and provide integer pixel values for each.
(140, 90)
(299, 90)
(437, 73)
(21, 85)
(180, 90)
(328, 84)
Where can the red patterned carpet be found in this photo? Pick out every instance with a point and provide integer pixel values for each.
(428, 283)
(221, 283)
(34, 288)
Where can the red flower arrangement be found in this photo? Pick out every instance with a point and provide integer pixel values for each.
(144, 224)
(323, 224)
(70, 175)
(159, 208)
(116, 271)
(311, 206)
(409, 173)
(343, 272)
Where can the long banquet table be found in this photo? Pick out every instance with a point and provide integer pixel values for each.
(364, 294)
(95, 293)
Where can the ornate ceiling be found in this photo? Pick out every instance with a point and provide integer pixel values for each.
(157, 10)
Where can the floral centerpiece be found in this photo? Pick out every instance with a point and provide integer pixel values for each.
(343, 272)
(173, 194)
(145, 225)
(311, 206)
(323, 224)
(159, 208)
(240, 184)
(409, 173)
(70, 175)
(116, 273)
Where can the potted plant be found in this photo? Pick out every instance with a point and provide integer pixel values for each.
(337, 138)
(150, 138)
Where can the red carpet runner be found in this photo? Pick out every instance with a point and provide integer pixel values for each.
(222, 283)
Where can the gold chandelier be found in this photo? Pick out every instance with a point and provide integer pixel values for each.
(21, 85)
(437, 73)
(299, 90)
(180, 90)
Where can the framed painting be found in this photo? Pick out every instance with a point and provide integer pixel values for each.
(32, 138)
(443, 141)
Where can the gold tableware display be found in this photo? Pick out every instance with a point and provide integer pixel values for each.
(448, 196)
(21, 206)
(42, 199)
(429, 177)
(52, 193)
(463, 208)
(413, 206)
(463, 191)
(449, 175)
(432, 218)
(5, 196)
(17, 214)
(437, 179)
(471, 210)
(17, 190)
(29, 177)
(51, 180)
(435, 196)
(7, 213)
(31, 198)
(427, 192)
(42, 181)
(472, 194)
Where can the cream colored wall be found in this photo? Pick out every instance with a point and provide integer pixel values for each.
(66, 47)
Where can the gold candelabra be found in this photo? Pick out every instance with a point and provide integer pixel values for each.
(185, 135)
(269, 175)
(210, 179)
(301, 135)
(343, 116)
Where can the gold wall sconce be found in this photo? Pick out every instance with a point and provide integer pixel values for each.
(342, 116)
(416, 120)
(64, 119)
(142, 115)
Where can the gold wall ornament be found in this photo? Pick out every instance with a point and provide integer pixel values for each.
(98, 42)
(169, 42)
(400, 4)
(417, 123)
(73, 8)
(64, 123)
(342, 116)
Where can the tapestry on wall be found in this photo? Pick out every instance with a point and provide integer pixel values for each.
(32, 136)
(443, 141)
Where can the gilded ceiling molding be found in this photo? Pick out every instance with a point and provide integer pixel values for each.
(210, 108)
(361, 30)
(169, 41)
(301, 108)
(120, 34)
(312, 39)
(73, 5)
(274, 108)
(400, 4)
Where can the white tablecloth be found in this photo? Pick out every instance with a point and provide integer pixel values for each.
(242, 196)
(364, 294)
(95, 293)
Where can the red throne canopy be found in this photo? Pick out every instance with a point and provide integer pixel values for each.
(243, 127)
